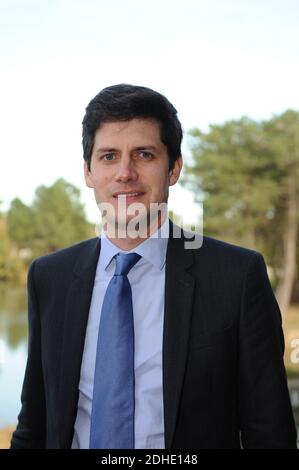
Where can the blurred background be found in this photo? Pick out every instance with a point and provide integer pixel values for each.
(231, 69)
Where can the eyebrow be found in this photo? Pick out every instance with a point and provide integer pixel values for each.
(146, 147)
(140, 147)
(105, 149)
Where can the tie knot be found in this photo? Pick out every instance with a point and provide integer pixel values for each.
(125, 262)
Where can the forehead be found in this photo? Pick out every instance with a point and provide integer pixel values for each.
(132, 130)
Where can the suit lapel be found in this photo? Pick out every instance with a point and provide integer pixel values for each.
(179, 287)
(77, 311)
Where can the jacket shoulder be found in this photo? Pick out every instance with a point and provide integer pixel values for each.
(63, 262)
(216, 256)
(67, 253)
(225, 248)
(229, 255)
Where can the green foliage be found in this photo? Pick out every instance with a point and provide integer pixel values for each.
(243, 170)
(55, 220)
(20, 223)
(10, 264)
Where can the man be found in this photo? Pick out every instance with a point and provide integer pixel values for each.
(139, 342)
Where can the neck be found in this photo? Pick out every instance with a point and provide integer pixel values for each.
(129, 243)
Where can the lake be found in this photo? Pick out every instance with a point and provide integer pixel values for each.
(13, 351)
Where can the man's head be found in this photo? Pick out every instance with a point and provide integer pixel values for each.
(125, 102)
(131, 142)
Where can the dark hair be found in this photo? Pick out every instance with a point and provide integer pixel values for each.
(124, 102)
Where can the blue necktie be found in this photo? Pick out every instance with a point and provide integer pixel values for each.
(112, 416)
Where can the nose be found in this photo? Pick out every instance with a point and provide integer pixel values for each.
(126, 171)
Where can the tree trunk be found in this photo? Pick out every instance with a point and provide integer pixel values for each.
(285, 286)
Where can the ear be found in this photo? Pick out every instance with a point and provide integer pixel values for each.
(88, 176)
(174, 174)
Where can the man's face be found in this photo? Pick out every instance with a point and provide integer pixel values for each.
(128, 158)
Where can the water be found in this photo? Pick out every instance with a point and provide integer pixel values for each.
(13, 351)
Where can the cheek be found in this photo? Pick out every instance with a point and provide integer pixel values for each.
(104, 180)
(160, 185)
(101, 180)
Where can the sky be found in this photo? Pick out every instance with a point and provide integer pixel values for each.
(215, 60)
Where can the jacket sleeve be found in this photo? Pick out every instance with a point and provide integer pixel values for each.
(31, 429)
(265, 411)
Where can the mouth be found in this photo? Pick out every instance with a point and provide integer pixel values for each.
(128, 196)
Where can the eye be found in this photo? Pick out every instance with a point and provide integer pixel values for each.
(108, 157)
(146, 155)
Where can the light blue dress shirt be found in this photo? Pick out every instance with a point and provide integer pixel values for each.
(147, 279)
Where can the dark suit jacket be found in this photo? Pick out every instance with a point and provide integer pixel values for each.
(223, 372)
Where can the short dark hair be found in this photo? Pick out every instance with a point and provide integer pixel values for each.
(124, 102)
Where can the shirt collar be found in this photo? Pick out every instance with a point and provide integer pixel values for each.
(153, 249)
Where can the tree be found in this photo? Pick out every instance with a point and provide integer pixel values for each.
(283, 141)
(20, 219)
(55, 220)
(247, 174)
(10, 264)
(233, 175)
